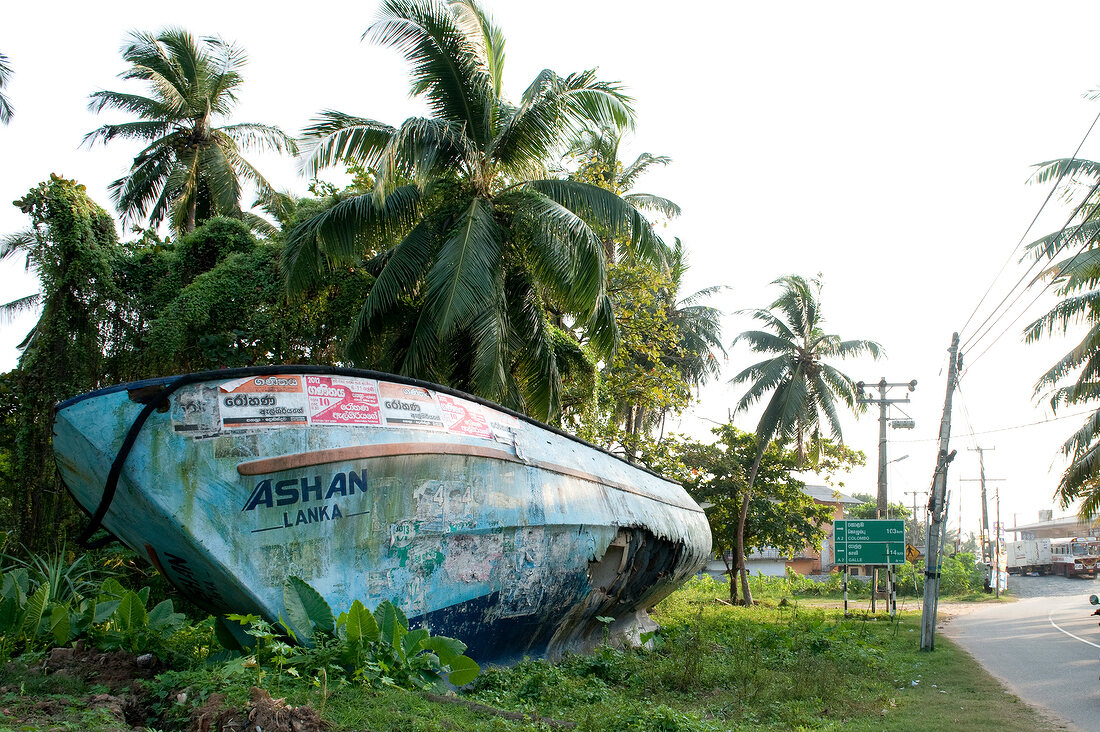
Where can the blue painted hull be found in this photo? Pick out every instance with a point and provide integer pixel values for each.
(479, 523)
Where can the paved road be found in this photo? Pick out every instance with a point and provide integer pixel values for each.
(1044, 647)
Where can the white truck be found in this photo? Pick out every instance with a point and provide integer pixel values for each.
(1029, 555)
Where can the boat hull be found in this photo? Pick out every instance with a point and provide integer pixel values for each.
(478, 523)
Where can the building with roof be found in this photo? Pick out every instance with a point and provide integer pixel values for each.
(1049, 527)
(769, 561)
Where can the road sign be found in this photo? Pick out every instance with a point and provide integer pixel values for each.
(869, 541)
(912, 554)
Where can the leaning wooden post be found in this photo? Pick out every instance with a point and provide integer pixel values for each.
(936, 508)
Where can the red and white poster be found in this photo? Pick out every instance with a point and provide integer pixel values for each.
(463, 417)
(343, 400)
(267, 401)
(409, 406)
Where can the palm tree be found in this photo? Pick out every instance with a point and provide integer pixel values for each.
(476, 242)
(672, 351)
(598, 151)
(1078, 279)
(191, 170)
(12, 245)
(699, 327)
(804, 388)
(6, 109)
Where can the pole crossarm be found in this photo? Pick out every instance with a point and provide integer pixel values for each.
(883, 401)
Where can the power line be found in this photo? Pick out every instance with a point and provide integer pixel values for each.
(966, 415)
(1081, 250)
(977, 338)
(1023, 237)
(1005, 429)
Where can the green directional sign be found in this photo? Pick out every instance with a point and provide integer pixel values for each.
(869, 541)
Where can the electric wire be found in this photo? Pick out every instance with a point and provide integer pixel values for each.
(1001, 429)
(977, 338)
(1050, 282)
(1023, 237)
(966, 415)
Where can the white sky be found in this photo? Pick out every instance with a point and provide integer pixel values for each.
(884, 145)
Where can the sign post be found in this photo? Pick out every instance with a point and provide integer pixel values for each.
(869, 541)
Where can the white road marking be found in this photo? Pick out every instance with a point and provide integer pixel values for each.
(1050, 617)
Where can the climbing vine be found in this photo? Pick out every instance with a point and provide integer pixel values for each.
(70, 246)
(113, 312)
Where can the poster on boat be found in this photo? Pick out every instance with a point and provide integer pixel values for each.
(463, 417)
(409, 406)
(268, 401)
(343, 400)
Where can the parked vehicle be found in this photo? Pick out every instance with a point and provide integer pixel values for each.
(1076, 557)
(1029, 555)
(478, 522)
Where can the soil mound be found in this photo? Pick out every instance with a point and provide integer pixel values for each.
(265, 713)
(114, 670)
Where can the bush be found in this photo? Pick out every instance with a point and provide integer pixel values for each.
(960, 575)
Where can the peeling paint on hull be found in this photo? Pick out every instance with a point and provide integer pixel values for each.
(479, 523)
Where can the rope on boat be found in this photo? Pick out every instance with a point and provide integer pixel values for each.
(111, 485)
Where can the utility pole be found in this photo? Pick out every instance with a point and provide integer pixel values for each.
(916, 533)
(997, 549)
(987, 548)
(936, 506)
(959, 536)
(883, 403)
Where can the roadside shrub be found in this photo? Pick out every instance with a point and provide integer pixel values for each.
(960, 575)
(69, 578)
(47, 600)
(372, 648)
(648, 718)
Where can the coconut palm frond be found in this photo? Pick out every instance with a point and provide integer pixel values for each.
(190, 85)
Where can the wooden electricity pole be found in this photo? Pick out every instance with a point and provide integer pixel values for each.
(988, 551)
(915, 539)
(883, 403)
(936, 506)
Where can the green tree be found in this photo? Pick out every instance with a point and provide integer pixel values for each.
(698, 327)
(804, 388)
(1074, 267)
(478, 246)
(191, 170)
(233, 310)
(111, 312)
(6, 109)
(667, 349)
(598, 153)
(69, 248)
(668, 342)
(780, 514)
(869, 508)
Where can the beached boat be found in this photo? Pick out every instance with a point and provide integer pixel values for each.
(478, 522)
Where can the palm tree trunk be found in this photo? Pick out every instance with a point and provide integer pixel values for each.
(639, 421)
(746, 496)
(189, 221)
(609, 251)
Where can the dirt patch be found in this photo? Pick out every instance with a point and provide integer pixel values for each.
(265, 713)
(115, 670)
(116, 712)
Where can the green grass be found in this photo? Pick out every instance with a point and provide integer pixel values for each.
(31, 701)
(714, 667)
